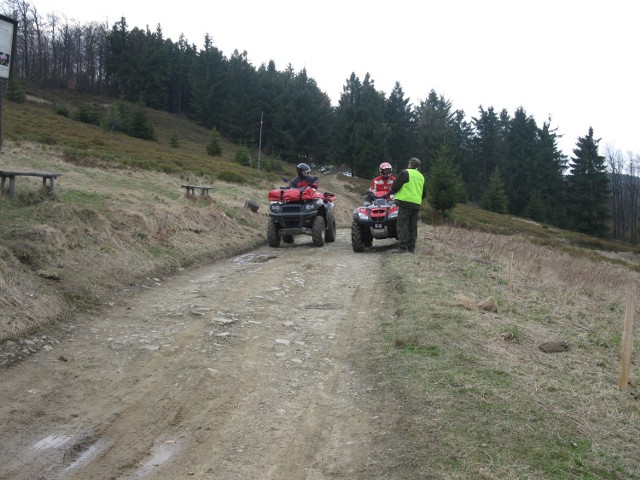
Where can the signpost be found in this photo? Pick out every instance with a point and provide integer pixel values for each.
(8, 32)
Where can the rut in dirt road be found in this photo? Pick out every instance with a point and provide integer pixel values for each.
(245, 369)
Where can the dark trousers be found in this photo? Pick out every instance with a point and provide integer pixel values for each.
(408, 227)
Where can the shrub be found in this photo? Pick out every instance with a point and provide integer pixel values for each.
(90, 114)
(61, 110)
(16, 92)
(231, 177)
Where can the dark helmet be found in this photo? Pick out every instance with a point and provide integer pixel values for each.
(303, 169)
(385, 169)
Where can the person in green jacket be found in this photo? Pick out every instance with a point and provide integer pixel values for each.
(409, 191)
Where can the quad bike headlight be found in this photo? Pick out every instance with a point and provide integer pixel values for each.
(393, 214)
(362, 216)
(275, 208)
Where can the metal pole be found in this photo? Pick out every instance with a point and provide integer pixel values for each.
(260, 141)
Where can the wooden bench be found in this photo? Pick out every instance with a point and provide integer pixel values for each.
(191, 189)
(4, 174)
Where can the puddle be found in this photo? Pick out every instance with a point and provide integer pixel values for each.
(52, 441)
(160, 455)
(88, 454)
(254, 258)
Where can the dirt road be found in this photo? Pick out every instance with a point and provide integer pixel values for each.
(245, 369)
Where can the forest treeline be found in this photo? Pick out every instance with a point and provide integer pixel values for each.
(504, 161)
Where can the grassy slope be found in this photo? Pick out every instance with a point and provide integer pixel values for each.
(466, 392)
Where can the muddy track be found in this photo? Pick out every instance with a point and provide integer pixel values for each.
(250, 368)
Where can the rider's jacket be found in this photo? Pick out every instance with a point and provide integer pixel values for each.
(382, 184)
(306, 181)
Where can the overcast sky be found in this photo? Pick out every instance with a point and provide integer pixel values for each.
(575, 62)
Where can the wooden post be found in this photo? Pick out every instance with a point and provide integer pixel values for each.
(510, 282)
(627, 340)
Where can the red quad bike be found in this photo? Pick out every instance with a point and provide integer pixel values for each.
(374, 219)
(295, 211)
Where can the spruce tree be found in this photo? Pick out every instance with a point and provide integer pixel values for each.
(444, 188)
(214, 146)
(588, 188)
(399, 117)
(495, 198)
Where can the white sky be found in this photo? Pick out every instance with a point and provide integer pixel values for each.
(573, 61)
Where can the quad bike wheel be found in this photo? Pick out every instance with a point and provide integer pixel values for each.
(272, 234)
(356, 238)
(317, 231)
(330, 233)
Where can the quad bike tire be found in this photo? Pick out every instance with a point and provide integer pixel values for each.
(272, 234)
(317, 231)
(330, 234)
(357, 242)
(288, 238)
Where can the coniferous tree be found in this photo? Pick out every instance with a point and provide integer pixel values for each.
(437, 126)
(174, 141)
(345, 122)
(548, 181)
(520, 166)
(140, 126)
(208, 83)
(241, 107)
(399, 117)
(214, 145)
(495, 198)
(588, 188)
(183, 56)
(311, 115)
(535, 209)
(444, 188)
(487, 152)
(361, 133)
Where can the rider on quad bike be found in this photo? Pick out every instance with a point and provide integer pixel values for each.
(377, 217)
(300, 209)
(382, 183)
(304, 179)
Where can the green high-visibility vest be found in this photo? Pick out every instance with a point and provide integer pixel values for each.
(412, 190)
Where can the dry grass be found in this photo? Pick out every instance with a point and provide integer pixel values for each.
(105, 229)
(478, 397)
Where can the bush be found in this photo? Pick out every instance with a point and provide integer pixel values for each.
(16, 92)
(134, 123)
(90, 114)
(61, 110)
(231, 177)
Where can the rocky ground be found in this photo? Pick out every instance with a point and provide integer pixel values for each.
(249, 368)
